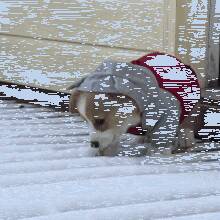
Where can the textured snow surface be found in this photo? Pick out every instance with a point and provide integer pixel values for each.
(47, 172)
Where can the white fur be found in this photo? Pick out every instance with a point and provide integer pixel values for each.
(105, 138)
(109, 145)
(108, 139)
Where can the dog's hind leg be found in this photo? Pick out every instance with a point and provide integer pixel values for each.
(188, 129)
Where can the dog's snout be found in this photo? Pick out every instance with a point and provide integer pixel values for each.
(95, 144)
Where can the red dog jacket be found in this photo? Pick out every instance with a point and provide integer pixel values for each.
(173, 76)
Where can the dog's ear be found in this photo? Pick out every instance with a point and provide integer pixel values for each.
(73, 101)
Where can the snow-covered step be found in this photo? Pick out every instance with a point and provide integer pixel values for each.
(44, 124)
(183, 158)
(81, 137)
(77, 152)
(44, 199)
(161, 210)
(72, 174)
(204, 216)
(40, 147)
(23, 110)
(30, 115)
(48, 171)
(44, 155)
(36, 166)
(43, 132)
(16, 125)
(42, 121)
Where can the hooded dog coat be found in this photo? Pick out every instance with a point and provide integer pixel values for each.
(160, 84)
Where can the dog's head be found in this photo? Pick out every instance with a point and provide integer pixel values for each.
(108, 115)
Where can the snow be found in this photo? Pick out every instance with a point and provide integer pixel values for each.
(204, 216)
(37, 97)
(48, 171)
(193, 191)
(211, 119)
(144, 211)
(162, 60)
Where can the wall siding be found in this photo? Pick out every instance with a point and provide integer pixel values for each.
(50, 43)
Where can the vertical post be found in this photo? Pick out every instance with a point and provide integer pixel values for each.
(192, 34)
(213, 43)
(219, 62)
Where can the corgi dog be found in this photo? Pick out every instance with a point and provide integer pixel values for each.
(155, 98)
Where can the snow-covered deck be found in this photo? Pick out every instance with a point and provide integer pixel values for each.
(46, 172)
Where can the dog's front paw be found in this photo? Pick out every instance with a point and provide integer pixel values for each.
(110, 151)
(91, 152)
(185, 140)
